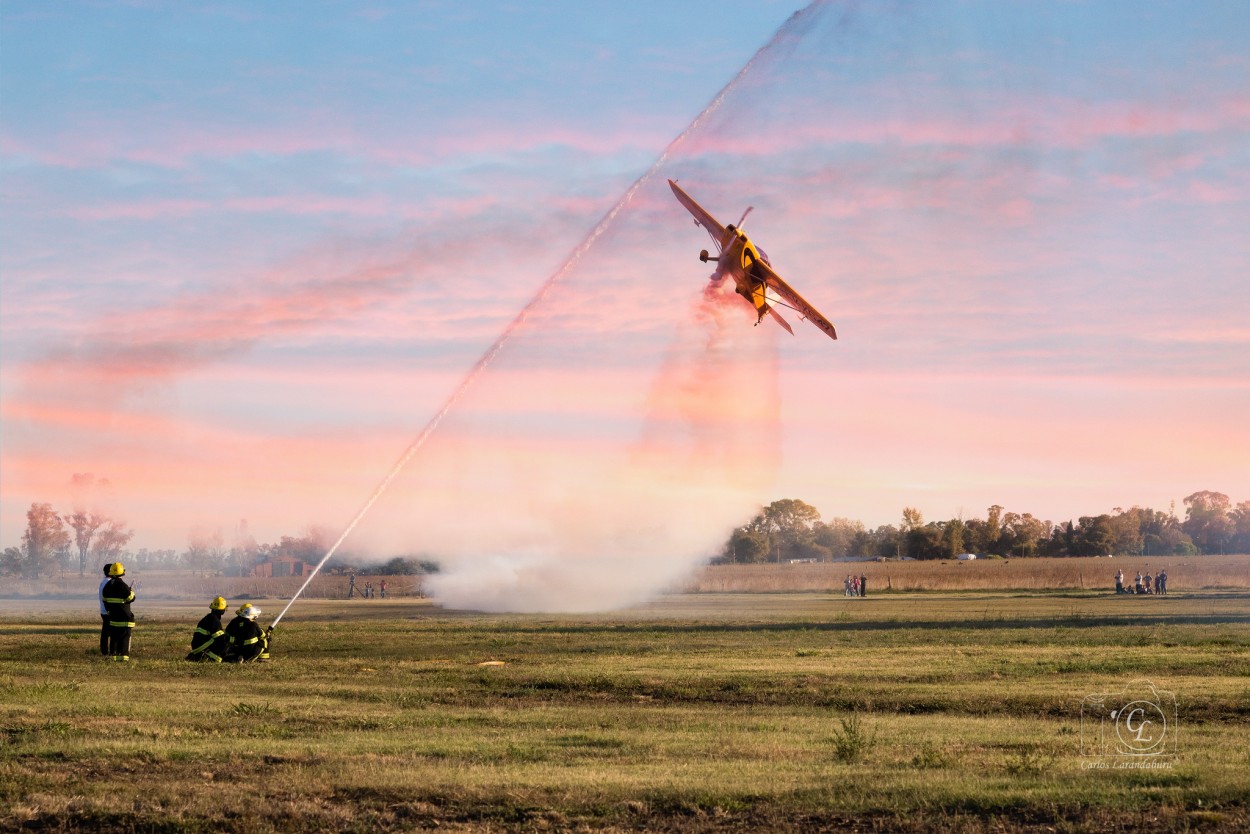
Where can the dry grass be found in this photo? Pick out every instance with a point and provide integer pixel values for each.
(189, 585)
(1185, 573)
(728, 713)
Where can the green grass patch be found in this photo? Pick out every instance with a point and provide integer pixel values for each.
(716, 713)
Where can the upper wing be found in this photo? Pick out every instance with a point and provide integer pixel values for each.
(701, 217)
(792, 298)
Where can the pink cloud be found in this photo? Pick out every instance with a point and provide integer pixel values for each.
(95, 141)
(1050, 121)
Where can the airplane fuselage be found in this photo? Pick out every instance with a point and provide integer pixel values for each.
(737, 260)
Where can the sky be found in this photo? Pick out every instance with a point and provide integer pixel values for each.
(249, 252)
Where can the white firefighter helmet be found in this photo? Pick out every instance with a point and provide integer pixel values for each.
(249, 611)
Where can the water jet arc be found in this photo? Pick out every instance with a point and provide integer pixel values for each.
(574, 257)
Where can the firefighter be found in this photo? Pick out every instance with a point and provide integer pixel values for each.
(209, 641)
(117, 597)
(248, 641)
(104, 614)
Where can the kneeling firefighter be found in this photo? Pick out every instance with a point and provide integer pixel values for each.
(248, 641)
(210, 641)
(117, 596)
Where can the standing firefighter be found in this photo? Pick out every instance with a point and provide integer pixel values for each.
(210, 640)
(117, 597)
(248, 641)
(104, 614)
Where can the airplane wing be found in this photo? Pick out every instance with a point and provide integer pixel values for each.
(793, 299)
(715, 230)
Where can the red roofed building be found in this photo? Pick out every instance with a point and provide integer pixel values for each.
(283, 566)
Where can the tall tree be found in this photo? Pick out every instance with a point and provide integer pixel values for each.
(205, 550)
(746, 546)
(84, 524)
(912, 521)
(45, 539)
(1240, 516)
(1207, 521)
(1095, 536)
(90, 496)
(110, 540)
(838, 536)
(789, 522)
(927, 542)
(994, 530)
(1021, 534)
(953, 535)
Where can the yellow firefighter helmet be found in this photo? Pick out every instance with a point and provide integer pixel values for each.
(218, 604)
(117, 569)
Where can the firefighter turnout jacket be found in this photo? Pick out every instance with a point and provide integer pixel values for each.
(117, 597)
(210, 641)
(247, 640)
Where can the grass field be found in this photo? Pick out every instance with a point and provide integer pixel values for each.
(704, 712)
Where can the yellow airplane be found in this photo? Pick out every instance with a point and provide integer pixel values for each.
(737, 257)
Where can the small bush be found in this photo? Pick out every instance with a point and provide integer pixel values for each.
(1030, 760)
(930, 758)
(853, 742)
(243, 708)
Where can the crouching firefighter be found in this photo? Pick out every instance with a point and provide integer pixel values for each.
(210, 641)
(248, 641)
(117, 596)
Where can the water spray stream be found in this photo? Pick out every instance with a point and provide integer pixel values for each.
(577, 254)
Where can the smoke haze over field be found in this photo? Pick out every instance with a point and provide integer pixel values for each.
(1026, 220)
(632, 519)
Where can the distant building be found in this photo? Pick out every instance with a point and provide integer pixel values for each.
(283, 566)
(966, 557)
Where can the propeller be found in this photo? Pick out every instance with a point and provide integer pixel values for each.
(744, 216)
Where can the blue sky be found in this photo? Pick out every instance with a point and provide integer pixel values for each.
(248, 249)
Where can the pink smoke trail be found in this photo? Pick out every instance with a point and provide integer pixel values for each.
(574, 258)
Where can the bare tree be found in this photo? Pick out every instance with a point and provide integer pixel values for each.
(110, 540)
(84, 525)
(205, 550)
(90, 494)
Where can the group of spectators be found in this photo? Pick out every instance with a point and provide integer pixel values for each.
(1142, 584)
(241, 640)
(855, 586)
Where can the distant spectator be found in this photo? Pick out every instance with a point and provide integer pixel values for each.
(863, 585)
(1137, 583)
(382, 589)
(1119, 582)
(1161, 582)
(1147, 581)
(351, 586)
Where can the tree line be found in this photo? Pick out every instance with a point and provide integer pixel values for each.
(63, 543)
(785, 530)
(790, 529)
(85, 539)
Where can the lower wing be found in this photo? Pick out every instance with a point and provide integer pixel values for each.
(795, 301)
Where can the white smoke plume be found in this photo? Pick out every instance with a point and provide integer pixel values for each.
(638, 522)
